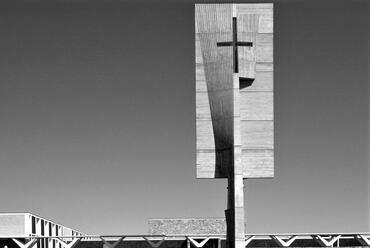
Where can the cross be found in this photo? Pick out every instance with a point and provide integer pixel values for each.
(235, 43)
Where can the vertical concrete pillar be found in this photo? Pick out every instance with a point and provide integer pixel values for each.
(235, 212)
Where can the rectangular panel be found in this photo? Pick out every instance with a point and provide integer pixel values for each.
(254, 8)
(264, 49)
(203, 111)
(12, 225)
(264, 67)
(256, 101)
(206, 160)
(204, 132)
(258, 163)
(257, 134)
(256, 105)
(266, 24)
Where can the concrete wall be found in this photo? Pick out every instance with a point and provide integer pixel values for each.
(12, 225)
(226, 112)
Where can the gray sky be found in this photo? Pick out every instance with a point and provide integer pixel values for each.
(97, 107)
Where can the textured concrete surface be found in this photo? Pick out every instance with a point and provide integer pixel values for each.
(215, 102)
(187, 226)
(12, 224)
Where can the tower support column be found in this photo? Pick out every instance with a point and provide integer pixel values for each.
(235, 207)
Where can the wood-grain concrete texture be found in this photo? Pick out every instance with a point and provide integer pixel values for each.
(215, 101)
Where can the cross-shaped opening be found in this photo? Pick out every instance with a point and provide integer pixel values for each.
(235, 43)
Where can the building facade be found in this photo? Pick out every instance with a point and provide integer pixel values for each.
(23, 225)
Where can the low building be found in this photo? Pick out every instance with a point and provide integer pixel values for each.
(23, 225)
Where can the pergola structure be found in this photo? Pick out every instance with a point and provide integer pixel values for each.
(195, 241)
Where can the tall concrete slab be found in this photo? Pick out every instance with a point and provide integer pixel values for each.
(214, 89)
